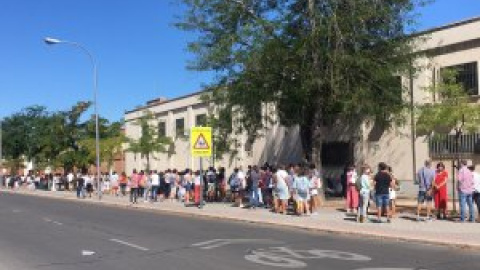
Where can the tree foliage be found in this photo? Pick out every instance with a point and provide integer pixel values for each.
(452, 111)
(59, 139)
(149, 143)
(319, 62)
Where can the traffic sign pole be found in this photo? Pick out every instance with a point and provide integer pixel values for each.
(202, 188)
(201, 146)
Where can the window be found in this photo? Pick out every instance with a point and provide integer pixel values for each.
(180, 127)
(467, 76)
(162, 129)
(201, 120)
(337, 154)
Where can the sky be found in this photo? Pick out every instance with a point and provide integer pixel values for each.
(139, 53)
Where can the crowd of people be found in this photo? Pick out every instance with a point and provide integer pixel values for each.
(295, 189)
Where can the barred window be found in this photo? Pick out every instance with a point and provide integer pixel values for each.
(180, 127)
(162, 129)
(467, 75)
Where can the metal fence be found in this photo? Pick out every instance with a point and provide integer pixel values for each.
(445, 146)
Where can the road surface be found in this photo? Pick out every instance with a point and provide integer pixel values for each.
(41, 233)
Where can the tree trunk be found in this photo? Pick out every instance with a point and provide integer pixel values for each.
(315, 121)
(148, 163)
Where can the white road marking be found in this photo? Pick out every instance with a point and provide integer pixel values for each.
(16, 211)
(215, 243)
(129, 244)
(391, 269)
(291, 258)
(87, 253)
(52, 221)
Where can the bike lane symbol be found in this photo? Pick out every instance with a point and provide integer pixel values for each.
(287, 258)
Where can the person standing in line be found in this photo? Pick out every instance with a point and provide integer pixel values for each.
(123, 180)
(282, 189)
(181, 187)
(425, 178)
(155, 185)
(114, 183)
(222, 184)
(198, 188)
(242, 180)
(147, 185)
(141, 184)
(301, 187)
(254, 187)
(187, 184)
(134, 180)
(89, 184)
(352, 193)
(364, 190)
(315, 185)
(465, 191)
(80, 186)
(211, 180)
(382, 182)
(173, 179)
(392, 193)
(234, 184)
(70, 178)
(476, 192)
(440, 191)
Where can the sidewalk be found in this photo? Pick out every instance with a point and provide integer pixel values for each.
(329, 220)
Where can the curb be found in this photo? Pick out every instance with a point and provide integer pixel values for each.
(344, 232)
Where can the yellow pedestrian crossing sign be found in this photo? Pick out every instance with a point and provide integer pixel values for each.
(201, 141)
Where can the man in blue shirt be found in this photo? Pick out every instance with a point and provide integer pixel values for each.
(425, 178)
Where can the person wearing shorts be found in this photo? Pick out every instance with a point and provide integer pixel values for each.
(382, 182)
(425, 178)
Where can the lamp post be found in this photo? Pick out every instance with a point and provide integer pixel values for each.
(54, 41)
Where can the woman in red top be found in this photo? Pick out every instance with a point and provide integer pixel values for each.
(440, 191)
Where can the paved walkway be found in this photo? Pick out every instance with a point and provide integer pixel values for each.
(329, 220)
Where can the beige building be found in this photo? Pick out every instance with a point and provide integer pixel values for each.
(454, 45)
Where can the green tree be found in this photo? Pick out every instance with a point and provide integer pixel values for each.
(149, 142)
(23, 134)
(318, 62)
(453, 111)
(111, 141)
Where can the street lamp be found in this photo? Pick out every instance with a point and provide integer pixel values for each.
(54, 41)
(1, 154)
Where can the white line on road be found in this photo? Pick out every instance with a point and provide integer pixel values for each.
(52, 221)
(215, 243)
(129, 244)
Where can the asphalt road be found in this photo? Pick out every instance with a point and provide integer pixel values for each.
(40, 233)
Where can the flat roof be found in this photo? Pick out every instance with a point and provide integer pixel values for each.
(164, 102)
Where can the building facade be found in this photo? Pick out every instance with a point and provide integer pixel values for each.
(454, 45)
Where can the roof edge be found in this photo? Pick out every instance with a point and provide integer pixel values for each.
(446, 26)
(165, 102)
